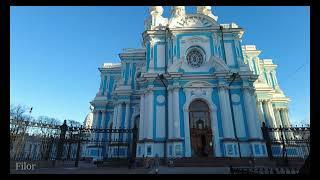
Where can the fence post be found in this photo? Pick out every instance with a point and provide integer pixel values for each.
(76, 164)
(284, 149)
(63, 128)
(266, 137)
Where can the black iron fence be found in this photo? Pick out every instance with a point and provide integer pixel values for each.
(38, 141)
(292, 142)
(282, 170)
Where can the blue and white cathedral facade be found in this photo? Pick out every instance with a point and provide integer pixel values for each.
(191, 90)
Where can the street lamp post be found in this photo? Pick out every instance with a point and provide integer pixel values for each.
(161, 77)
(232, 115)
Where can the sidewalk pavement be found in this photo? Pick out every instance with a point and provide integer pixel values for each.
(191, 170)
(81, 170)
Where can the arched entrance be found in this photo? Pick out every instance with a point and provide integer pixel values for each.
(200, 129)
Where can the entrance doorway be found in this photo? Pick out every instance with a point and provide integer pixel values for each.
(200, 129)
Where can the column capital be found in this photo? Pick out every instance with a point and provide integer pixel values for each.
(248, 88)
(223, 86)
(95, 111)
(266, 100)
(150, 88)
(276, 109)
(260, 101)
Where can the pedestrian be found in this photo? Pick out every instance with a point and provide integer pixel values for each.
(147, 162)
(133, 162)
(143, 161)
(129, 163)
(156, 163)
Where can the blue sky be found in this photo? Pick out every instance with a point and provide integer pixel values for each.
(55, 51)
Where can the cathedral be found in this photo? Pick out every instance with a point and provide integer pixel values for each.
(191, 90)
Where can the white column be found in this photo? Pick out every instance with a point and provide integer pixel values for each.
(126, 122)
(274, 78)
(95, 124)
(285, 112)
(142, 117)
(282, 118)
(103, 119)
(118, 120)
(95, 119)
(227, 124)
(101, 84)
(289, 135)
(107, 86)
(267, 113)
(102, 124)
(150, 115)
(272, 119)
(258, 125)
(119, 116)
(263, 119)
(249, 110)
(146, 114)
(271, 114)
(176, 119)
(278, 121)
(278, 118)
(170, 113)
(130, 74)
(114, 120)
(187, 132)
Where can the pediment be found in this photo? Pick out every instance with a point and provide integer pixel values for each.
(193, 21)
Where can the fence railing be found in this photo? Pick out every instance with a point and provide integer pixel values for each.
(36, 141)
(283, 170)
(287, 142)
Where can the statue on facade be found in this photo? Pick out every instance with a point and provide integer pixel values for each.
(206, 10)
(177, 11)
(156, 10)
(155, 19)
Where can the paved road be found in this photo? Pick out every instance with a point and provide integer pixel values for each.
(73, 170)
(90, 168)
(191, 170)
(123, 170)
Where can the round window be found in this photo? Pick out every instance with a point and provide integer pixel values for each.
(195, 58)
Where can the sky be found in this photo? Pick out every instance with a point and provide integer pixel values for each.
(55, 51)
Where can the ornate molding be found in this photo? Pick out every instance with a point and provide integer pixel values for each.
(193, 21)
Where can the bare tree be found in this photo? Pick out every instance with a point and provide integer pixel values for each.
(73, 123)
(18, 128)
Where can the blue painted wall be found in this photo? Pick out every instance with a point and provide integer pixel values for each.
(182, 100)
(215, 100)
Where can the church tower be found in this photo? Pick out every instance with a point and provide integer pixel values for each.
(192, 90)
(195, 56)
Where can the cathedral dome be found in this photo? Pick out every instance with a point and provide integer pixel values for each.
(89, 119)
